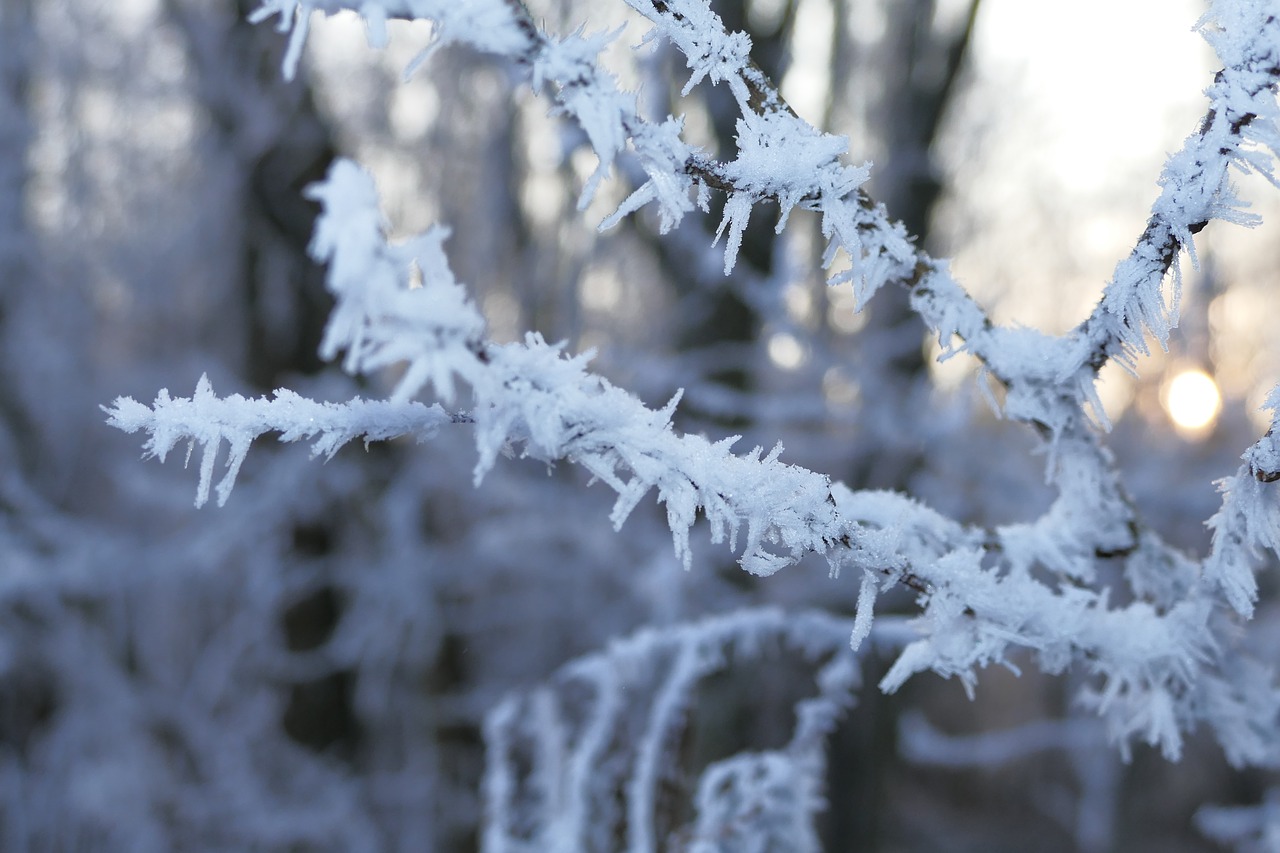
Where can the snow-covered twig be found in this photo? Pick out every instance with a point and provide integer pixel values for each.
(1157, 661)
(208, 420)
(1248, 829)
(782, 158)
(590, 743)
(1049, 381)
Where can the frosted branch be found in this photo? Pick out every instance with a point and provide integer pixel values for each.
(1156, 662)
(781, 158)
(1248, 522)
(588, 747)
(207, 420)
(1248, 829)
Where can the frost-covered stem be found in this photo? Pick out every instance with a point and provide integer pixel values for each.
(1155, 663)
(921, 743)
(1195, 183)
(208, 420)
(499, 784)
(1248, 828)
(596, 767)
(651, 752)
(880, 247)
(1081, 740)
(1247, 522)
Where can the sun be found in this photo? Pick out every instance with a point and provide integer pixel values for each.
(1193, 400)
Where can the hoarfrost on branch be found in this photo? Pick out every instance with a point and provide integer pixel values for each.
(1158, 666)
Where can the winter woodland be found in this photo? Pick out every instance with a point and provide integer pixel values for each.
(637, 510)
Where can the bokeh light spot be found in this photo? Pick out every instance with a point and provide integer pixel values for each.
(1193, 400)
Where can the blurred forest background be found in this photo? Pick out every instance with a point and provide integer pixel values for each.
(307, 668)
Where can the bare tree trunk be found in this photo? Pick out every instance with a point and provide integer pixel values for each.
(924, 61)
(15, 131)
(921, 69)
(16, 266)
(276, 143)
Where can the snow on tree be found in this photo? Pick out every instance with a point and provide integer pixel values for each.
(1156, 641)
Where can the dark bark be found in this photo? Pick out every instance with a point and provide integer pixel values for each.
(921, 79)
(17, 267)
(922, 64)
(921, 70)
(279, 143)
(719, 311)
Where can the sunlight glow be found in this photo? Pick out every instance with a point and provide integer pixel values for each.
(840, 390)
(785, 351)
(1193, 400)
